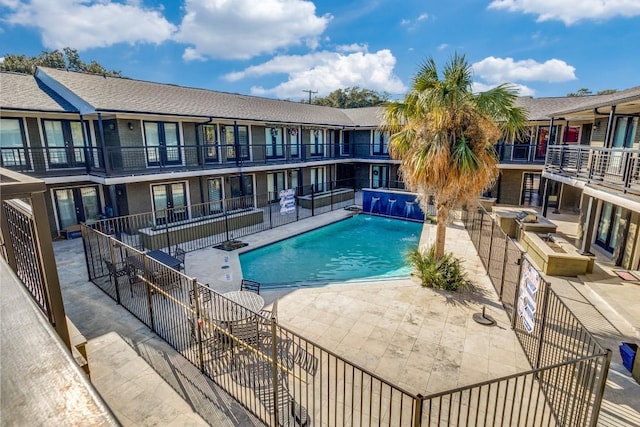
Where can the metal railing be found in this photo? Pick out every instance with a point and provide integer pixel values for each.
(212, 223)
(618, 168)
(286, 379)
(554, 334)
(27, 245)
(272, 371)
(520, 153)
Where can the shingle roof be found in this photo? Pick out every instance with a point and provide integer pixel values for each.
(24, 92)
(366, 116)
(118, 94)
(591, 102)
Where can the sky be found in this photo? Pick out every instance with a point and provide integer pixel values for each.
(285, 48)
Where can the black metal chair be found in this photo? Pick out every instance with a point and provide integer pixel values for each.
(180, 254)
(250, 285)
(204, 295)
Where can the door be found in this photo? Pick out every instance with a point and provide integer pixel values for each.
(76, 205)
(65, 143)
(170, 202)
(608, 226)
(215, 195)
(379, 176)
(162, 144)
(275, 183)
(241, 187)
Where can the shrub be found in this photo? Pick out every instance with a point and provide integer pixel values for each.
(445, 273)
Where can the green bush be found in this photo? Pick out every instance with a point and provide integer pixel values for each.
(444, 273)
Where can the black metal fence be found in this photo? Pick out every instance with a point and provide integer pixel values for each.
(208, 224)
(548, 331)
(286, 379)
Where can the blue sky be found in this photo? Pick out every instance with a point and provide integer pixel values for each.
(279, 48)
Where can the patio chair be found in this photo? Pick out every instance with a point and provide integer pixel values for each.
(115, 272)
(180, 254)
(246, 330)
(166, 279)
(204, 295)
(250, 285)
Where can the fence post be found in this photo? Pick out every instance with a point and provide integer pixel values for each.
(147, 276)
(595, 413)
(543, 325)
(196, 324)
(226, 223)
(274, 359)
(114, 264)
(516, 294)
(417, 410)
(270, 211)
(505, 257)
(313, 202)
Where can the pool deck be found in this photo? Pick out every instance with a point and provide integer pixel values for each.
(420, 339)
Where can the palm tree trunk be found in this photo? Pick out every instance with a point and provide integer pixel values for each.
(442, 215)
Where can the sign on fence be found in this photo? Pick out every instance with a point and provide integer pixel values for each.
(529, 285)
(287, 201)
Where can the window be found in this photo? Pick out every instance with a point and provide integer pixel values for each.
(380, 142)
(545, 139)
(345, 145)
(608, 226)
(209, 142)
(316, 146)
(379, 176)
(625, 132)
(294, 143)
(274, 143)
(170, 202)
(317, 180)
(162, 143)
(215, 195)
(12, 144)
(65, 143)
(571, 134)
(235, 139)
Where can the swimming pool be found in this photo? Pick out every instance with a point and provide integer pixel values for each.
(361, 247)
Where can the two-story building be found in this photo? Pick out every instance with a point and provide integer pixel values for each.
(600, 175)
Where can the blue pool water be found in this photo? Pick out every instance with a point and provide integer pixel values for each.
(361, 247)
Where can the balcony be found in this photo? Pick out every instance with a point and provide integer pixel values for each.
(614, 168)
(520, 153)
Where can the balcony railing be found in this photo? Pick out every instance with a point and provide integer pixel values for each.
(618, 168)
(520, 153)
(117, 161)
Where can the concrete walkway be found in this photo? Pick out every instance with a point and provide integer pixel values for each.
(418, 338)
(144, 381)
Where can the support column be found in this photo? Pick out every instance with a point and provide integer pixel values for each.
(588, 227)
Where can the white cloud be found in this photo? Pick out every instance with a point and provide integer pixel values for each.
(413, 24)
(520, 88)
(499, 70)
(325, 72)
(85, 24)
(242, 29)
(570, 11)
(442, 46)
(355, 47)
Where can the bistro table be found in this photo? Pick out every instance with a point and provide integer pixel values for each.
(246, 300)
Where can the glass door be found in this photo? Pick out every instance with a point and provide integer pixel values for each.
(379, 176)
(215, 195)
(65, 143)
(275, 183)
(170, 202)
(162, 143)
(76, 205)
(608, 226)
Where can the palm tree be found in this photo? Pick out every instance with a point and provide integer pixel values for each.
(443, 133)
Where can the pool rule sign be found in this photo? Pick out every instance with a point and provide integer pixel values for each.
(529, 285)
(287, 201)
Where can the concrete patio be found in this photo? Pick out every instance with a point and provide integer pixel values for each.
(420, 339)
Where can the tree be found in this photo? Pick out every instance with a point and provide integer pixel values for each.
(580, 92)
(443, 134)
(352, 97)
(67, 59)
(585, 92)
